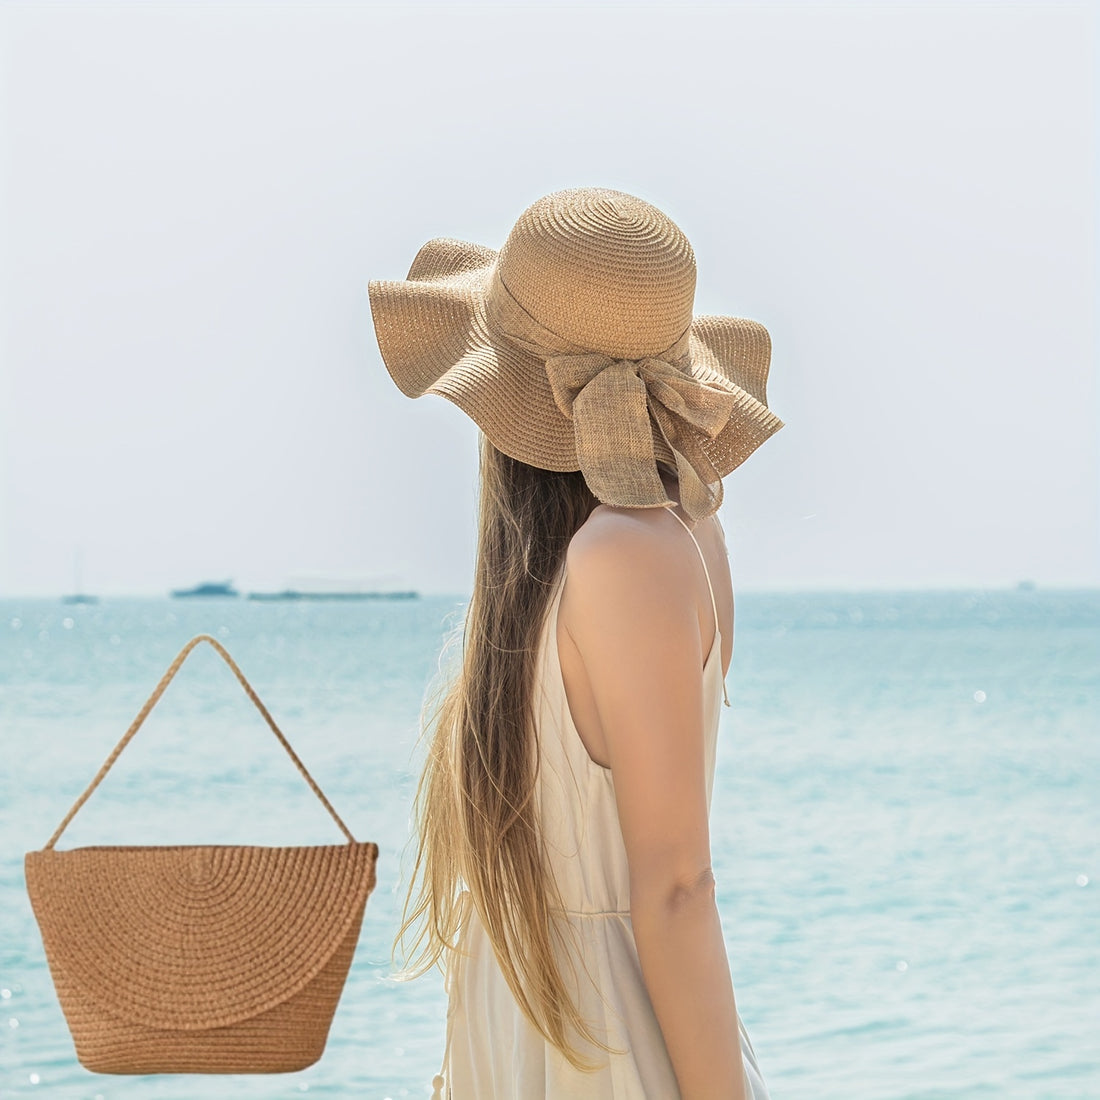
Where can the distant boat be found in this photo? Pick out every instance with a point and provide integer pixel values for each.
(77, 596)
(208, 588)
(298, 594)
(1026, 586)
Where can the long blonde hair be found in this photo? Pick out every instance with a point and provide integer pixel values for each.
(475, 813)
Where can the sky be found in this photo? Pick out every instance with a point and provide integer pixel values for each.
(193, 197)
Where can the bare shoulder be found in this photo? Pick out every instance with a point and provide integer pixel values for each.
(611, 532)
(630, 563)
(642, 541)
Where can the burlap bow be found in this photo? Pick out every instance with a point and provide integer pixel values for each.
(610, 401)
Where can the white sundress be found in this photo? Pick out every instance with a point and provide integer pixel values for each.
(492, 1050)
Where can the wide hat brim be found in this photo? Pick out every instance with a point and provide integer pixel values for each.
(435, 336)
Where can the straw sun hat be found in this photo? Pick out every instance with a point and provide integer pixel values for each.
(574, 348)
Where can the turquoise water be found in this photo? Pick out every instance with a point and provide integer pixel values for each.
(906, 824)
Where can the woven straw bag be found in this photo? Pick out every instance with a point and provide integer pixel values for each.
(200, 958)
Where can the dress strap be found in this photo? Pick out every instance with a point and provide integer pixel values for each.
(710, 588)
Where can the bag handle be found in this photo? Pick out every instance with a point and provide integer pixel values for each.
(173, 668)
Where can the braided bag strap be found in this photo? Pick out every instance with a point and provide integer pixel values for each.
(173, 668)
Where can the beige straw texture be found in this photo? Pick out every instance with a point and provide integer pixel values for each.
(574, 348)
(200, 958)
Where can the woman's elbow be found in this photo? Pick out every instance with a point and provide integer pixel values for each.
(672, 893)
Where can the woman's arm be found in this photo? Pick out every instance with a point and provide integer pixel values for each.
(637, 630)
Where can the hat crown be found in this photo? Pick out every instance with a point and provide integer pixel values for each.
(603, 270)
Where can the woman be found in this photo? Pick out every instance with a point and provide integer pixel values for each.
(563, 870)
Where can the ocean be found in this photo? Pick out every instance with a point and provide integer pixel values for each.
(905, 824)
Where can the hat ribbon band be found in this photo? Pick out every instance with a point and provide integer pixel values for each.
(510, 319)
(610, 402)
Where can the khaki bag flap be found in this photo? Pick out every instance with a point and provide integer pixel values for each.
(196, 936)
